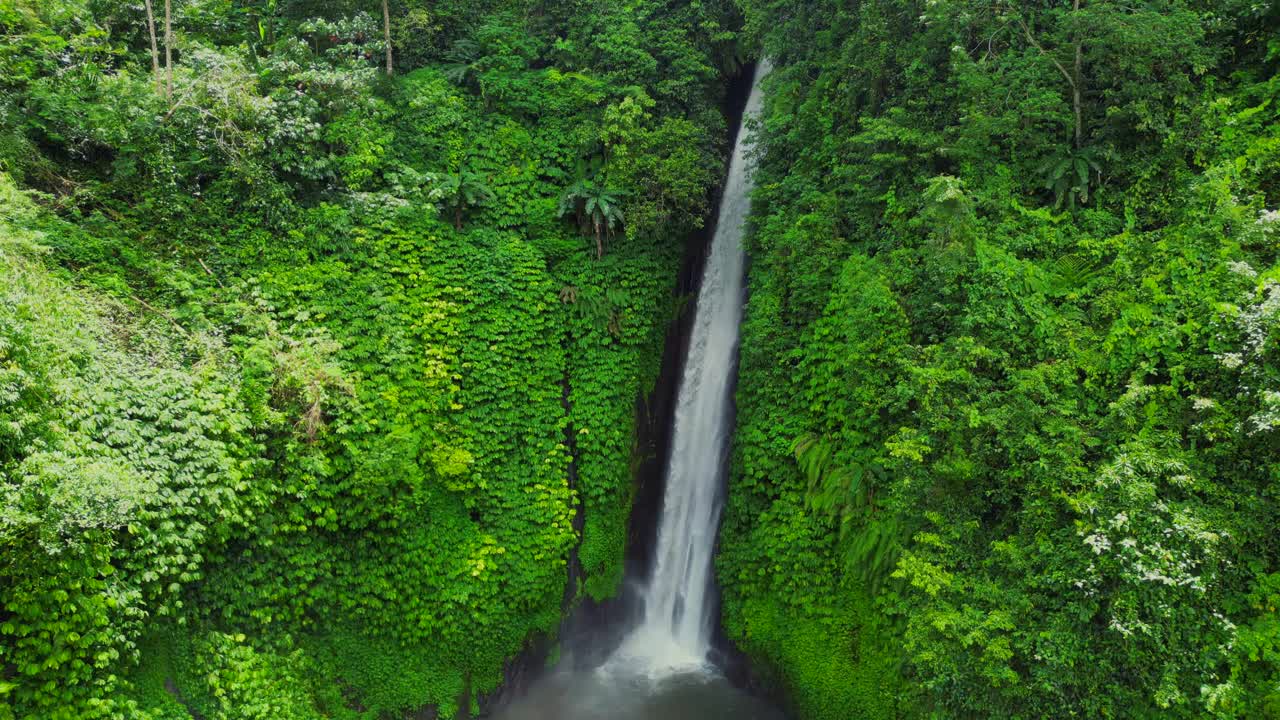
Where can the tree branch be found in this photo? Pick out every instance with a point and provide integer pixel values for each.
(168, 49)
(386, 31)
(1073, 79)
(1034, 43)
(155, 51)
(162, 314)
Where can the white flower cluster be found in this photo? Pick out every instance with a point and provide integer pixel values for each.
(1242, 268)
(1258, 322)
(1119, 627)
(1099, 542)
(1268, 418)
(1230, 361)
(1258, 319)
(1158, 547)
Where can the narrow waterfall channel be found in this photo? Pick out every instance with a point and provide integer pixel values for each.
(677, 624)
(661, 671)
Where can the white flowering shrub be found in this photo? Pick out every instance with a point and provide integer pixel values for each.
(1251, 329)
(1141, 522)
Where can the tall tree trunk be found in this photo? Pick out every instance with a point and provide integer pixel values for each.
(168, 49)
(155, 51)
(386, 31)
(1076, 95)
(1074, 77)
(599, 242)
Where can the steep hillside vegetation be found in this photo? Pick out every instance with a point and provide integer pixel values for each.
(1009, 403)
(314, 352)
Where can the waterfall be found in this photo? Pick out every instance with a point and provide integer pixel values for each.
(675, 630)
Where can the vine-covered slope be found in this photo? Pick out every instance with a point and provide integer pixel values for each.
(306, 370)
(1009, 406)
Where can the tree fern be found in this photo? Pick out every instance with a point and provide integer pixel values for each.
(1070, 274)
(463, 190)
(846, 491)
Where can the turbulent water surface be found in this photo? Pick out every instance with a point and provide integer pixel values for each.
(661, 669)
(616, 694)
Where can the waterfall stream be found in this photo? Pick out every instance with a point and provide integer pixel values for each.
(661, 670)
(675, 630)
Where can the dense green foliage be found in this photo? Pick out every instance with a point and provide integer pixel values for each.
(1009, 405)
(304, 376)
(319, 354)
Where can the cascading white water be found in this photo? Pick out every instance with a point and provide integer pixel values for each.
(661, 670)
(675, 631)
